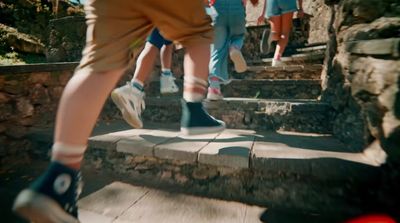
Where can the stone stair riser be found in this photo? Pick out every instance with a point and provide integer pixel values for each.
(257, 116)
(269, 187)
(267, 89)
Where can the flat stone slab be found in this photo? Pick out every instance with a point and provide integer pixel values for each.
(183, 148)
(110, 140)
(310, 154)
(123, 203)
(304, 153)
(143, 144)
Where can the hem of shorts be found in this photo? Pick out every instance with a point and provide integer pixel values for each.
(191, 42)
(283, 12)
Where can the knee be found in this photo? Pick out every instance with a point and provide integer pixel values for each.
(284, 36)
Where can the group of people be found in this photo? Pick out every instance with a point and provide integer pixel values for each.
(114, 29)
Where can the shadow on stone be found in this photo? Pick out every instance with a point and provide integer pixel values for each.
(234, 151)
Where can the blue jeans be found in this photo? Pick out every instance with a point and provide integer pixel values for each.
(229, 29)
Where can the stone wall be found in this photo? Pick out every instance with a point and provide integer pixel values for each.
(29, 96)
(319, 20)
(362, 70)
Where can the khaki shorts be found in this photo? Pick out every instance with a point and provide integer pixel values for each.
(116, 27)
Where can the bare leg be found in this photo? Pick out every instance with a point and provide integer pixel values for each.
(276, 27)
(80, 105)
(195, 119)
(145, 62)
(166, 56)
(196, 61)
(286, 27)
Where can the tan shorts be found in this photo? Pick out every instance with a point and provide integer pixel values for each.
(116, 27)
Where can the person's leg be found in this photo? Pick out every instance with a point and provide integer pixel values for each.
(286, 27)
(195, 34)
(274, 35)
(237, 29)
(86, 91)
(166, 57)
(130, 98)
(276, 27)
(145, 63)
(167, 79)
(273, 12)
(195, 120)
(53, 196)
(218, 65)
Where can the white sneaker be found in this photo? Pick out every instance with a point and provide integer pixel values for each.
(130, 101)
(214, 94)
(238, 60)
(277, 63)
(167, 84)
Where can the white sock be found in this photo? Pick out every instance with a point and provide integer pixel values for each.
(194, 88)
(67, 154)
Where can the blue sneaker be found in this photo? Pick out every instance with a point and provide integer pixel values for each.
(51, 198)
(195, 120)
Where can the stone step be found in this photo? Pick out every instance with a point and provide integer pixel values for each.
(248, 113)
(281, 169)
(267, 89)
(289, 72)
(307, 57)
(312, 47)
(302, 58)
(130, 203)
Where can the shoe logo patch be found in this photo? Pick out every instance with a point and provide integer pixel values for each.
(62, 183)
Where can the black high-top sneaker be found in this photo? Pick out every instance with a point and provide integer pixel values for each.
(52, 198)
(195, 120)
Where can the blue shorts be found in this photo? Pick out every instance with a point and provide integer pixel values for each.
(279, 7)
(157, 40)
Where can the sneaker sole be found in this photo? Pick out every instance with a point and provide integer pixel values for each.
(202, 130)
(39, 208)
(238, 61)
(168, 92)
(213, 97)
(264, 46)
(121, 103)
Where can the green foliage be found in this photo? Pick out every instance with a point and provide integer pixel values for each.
(12, 58)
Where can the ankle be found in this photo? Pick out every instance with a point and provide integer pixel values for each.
(194, 88)
(138, 85)
(166, 72)
(215, 83)
(68, 155)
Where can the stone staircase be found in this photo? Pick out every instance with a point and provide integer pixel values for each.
(278, 150)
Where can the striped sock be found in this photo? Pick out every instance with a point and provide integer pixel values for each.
(138, 85)
(194, 88)
(215, 83)
(69, 155)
